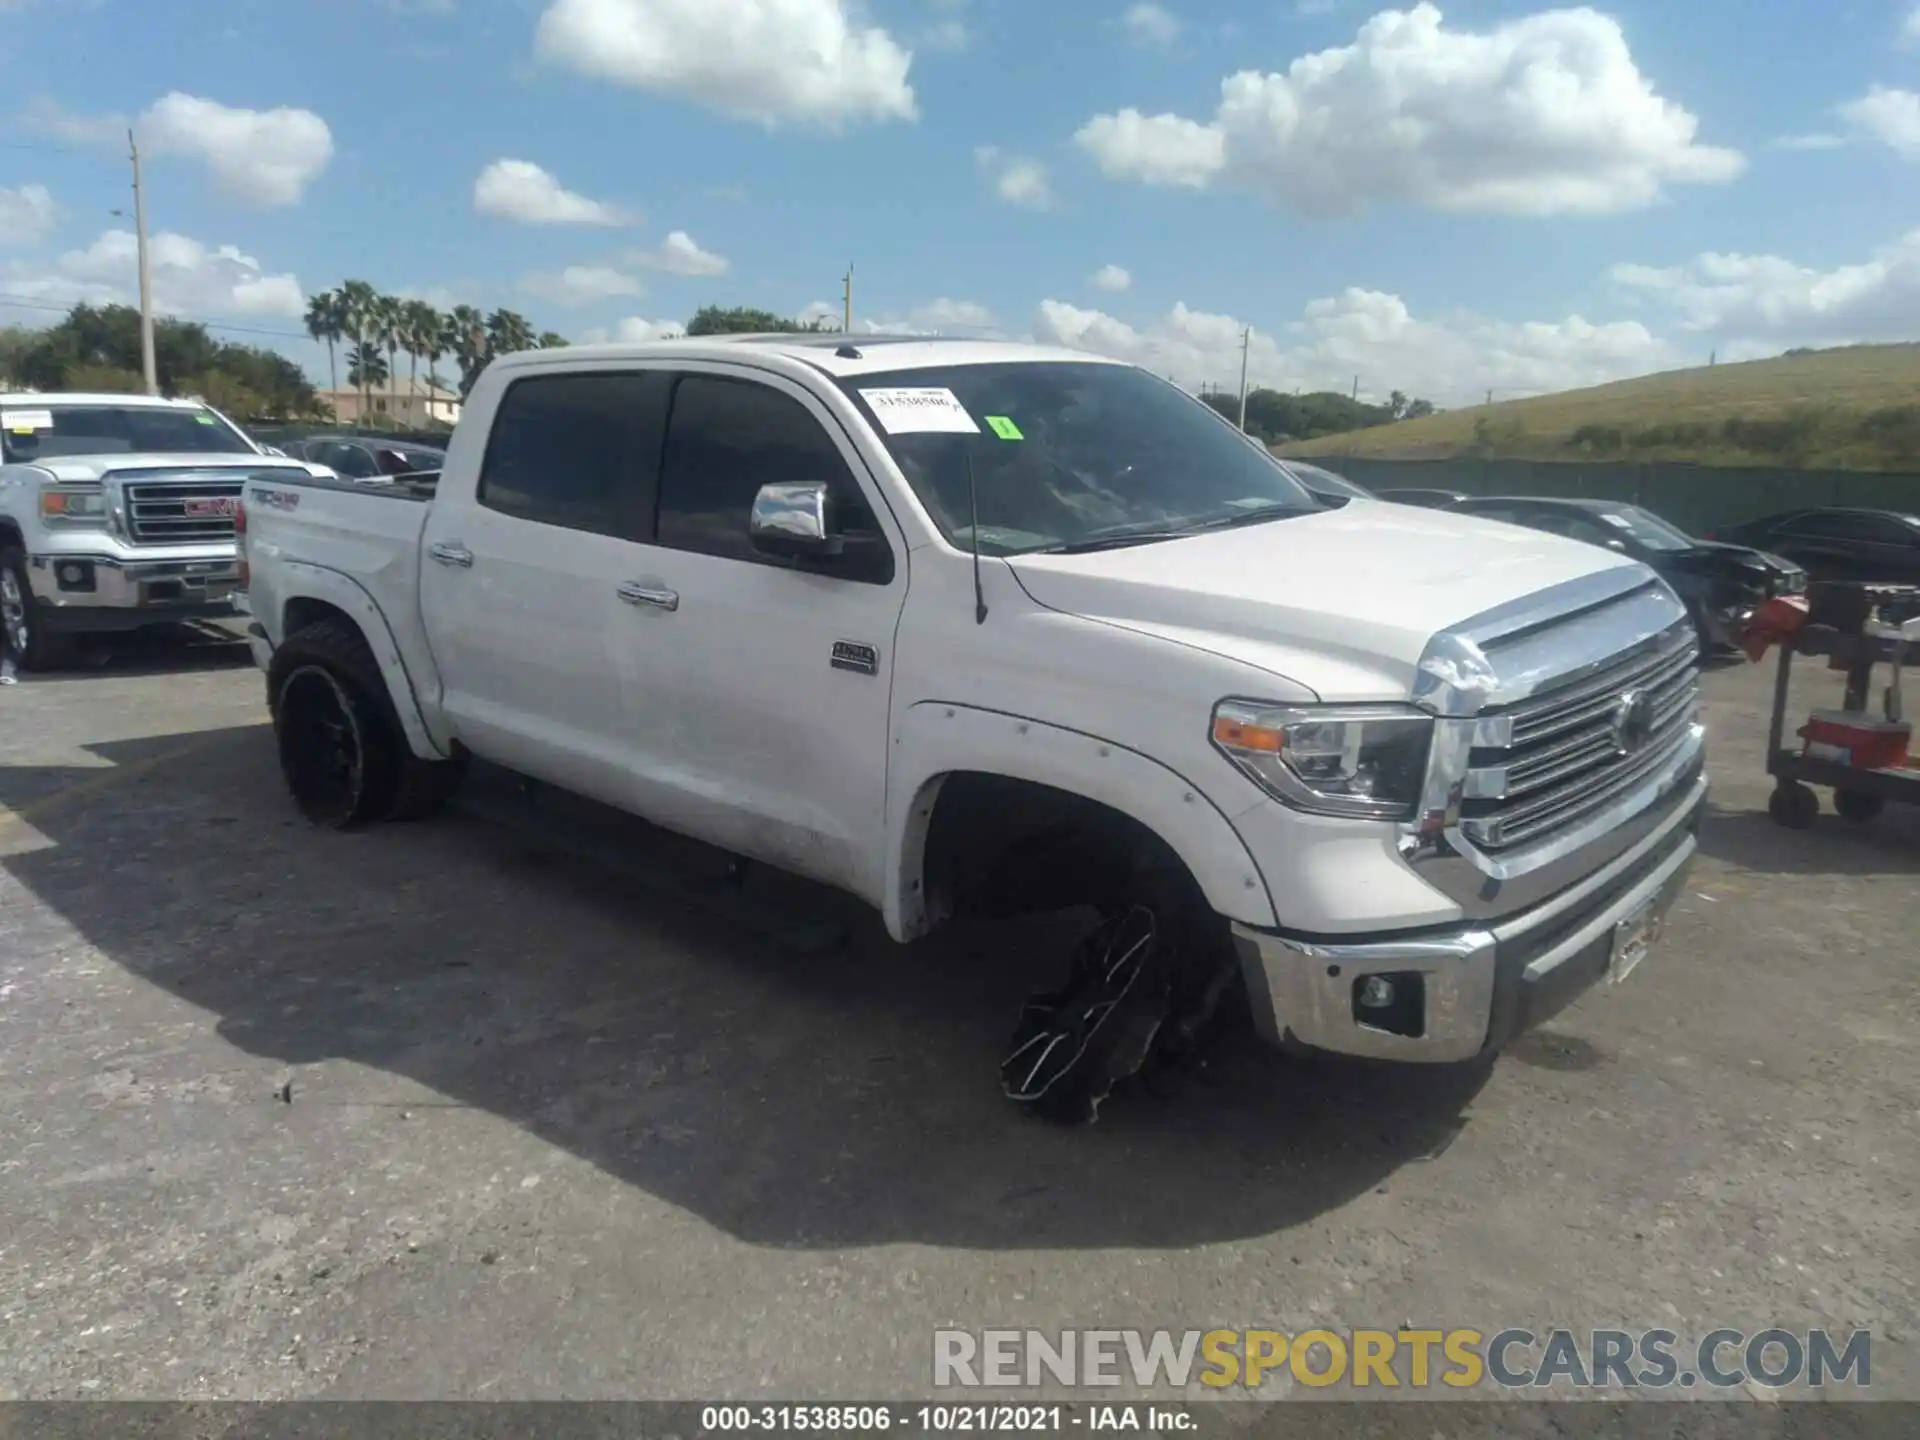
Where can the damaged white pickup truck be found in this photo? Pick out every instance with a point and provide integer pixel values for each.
(965, 627)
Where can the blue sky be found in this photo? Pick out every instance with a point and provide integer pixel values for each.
(1438, 200)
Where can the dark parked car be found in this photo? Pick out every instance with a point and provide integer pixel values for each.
(1335, 490)
(1721, 584)
(1839, 544)
(360, 458)
(1425, 499)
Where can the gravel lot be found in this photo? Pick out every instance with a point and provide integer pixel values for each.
(581, 1120)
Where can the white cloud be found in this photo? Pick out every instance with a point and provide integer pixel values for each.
(773, 61)
(1111, 278)
(26, 216)
(1148, 24)
(1374, 336)
(1769, 302)
(633, 331)
(937, 317)
(818, 312)
(1910, 27)
(944, 314)
(1017, 179)
(582, 285)
(190, 279)
(1547, 114)
(679, 254)
(1890, 116)
(520, 190)
(261, 157)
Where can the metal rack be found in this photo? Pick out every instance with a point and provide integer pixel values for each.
(1858, 794)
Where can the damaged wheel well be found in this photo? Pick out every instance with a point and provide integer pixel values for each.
(998, 847)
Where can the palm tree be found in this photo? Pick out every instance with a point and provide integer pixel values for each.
(357, 302)
(508, 331)
(366, 366)
(326, 323)
(552, 340)
(419, 336)
(386, 329)
(465, 338)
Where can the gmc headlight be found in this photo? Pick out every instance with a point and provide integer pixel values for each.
(1364, 761)
(73, 505)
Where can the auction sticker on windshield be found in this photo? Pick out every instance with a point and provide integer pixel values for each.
(903, 411)
(26, 421)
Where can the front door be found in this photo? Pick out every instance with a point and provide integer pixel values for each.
(762, 697)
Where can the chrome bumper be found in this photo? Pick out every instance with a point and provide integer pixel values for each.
(106, 582)
(1466, 991)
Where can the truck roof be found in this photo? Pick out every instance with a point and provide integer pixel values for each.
(82, 397)
(836, 354)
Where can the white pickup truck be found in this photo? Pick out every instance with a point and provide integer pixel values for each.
(116, 511)
(963, 626)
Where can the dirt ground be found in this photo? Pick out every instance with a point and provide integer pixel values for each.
(571, 1116)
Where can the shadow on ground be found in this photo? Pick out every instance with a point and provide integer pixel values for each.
(157, 650)
(649, 1018)
(1751, 840)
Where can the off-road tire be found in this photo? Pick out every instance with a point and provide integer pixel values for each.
(325, 690)
(44, 649)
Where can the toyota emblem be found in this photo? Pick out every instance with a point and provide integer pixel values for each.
(1632, 725)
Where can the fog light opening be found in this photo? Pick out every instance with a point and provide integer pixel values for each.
(1392, 1001)
(74, 574)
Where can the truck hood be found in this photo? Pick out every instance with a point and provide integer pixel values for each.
(1364, 587)
(72, 469)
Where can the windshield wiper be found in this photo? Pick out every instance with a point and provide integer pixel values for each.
(1110, 542)
(1256, 515)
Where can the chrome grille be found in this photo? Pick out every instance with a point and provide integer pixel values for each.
(1547, 762)
(178, 513)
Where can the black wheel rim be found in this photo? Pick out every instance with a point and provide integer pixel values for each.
(321, 748)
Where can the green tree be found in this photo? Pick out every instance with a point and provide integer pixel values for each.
(743, 320)
(388, 311)
(465, 338)
(420, 326)
(366, 368)
(508, 331)
(552, 340)
(358, 300)
(326, 322)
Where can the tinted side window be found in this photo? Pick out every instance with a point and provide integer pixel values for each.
(579, 451)
(725, 439)
(1826, 525)
(350, 460)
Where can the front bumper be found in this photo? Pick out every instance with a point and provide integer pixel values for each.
(1464, 991)
(77, 591)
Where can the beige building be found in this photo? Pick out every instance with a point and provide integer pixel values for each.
(409, 404)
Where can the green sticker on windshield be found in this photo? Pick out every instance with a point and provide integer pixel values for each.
(1004, 428)
(204, 419)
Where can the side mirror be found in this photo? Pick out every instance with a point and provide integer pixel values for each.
(1619, 547)
(791, 521)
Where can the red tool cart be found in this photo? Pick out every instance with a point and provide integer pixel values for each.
(1864, 751)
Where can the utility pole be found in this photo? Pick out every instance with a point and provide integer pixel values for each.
(1246, 347)
(1356, 389)
(846, 302)
(147, 366)
(1489, 397)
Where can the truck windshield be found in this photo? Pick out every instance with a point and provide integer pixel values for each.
(1648, 528)
(1065, 454)
(31, 432)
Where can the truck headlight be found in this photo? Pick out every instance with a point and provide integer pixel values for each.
(1364, 761)
(73, 505)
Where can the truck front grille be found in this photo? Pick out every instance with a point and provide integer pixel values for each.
(187, 513)
(1566, 752)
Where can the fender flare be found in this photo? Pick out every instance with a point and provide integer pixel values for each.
(935, 739)
(307, 581)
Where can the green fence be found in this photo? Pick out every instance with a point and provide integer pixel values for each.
(1694, 497)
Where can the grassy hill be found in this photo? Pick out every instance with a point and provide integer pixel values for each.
(1857, 407)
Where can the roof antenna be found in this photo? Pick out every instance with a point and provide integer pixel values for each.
(973, 507)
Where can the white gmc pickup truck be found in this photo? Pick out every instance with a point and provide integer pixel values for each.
(116, 511)
(968, 627)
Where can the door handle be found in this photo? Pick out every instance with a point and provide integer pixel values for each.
(660, 598)
(451, 554)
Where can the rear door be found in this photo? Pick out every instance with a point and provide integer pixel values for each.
(760, 690)
(520, 584)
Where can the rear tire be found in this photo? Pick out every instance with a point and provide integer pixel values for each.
(1857, 805)
(23, 628)
(342, 749)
